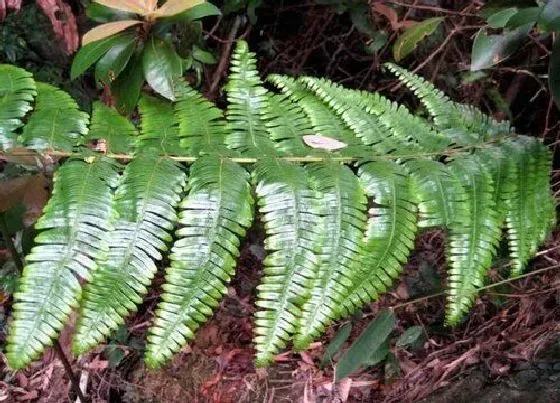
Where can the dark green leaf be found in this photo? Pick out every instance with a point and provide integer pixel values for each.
(501, 18)
(359, 14)
(252, 6)
(524, 16)
(115, 60)
(100, 13)
(410, 336)
(203, 56)
(369, 341)
(554, 73)
(410, 39)
(90, 53)
(162, 66)
(378, 354)
(114, 355)
(195, 13)
(336, 343)
(126, 88)
(549, 18)
(489, 50)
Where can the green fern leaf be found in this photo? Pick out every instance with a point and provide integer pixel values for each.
(287, 124)
(17, 91)
(344, 224)
(474, 237)
(119, 134)
(248, 103)
(158, 128)
(390, 233)
(145, 202)
(202, 127)
(292, 219)
(56, 122)
(214, 216)
(73, 230)
(323, 120)
(439, 195)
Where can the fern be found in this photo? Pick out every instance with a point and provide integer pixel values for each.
(56, 121)
(144, 206)
(116, 131)
(17, 91)
(214, 216)
(248, 103)
(344, 224)
(158, 127)
(336, 238)
(390, 231)
(72, 237)
(291, 213)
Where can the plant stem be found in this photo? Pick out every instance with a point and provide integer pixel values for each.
(10, 243)
(68, 369)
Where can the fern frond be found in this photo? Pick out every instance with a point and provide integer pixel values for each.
(287, 123)
(72, 236)
(248, 103)
(439, 195)
(474, 237)
(214, 216)
(347, 104)
(158, 128)
(390, 233)
(107, 124)
(17, 91)
(293, 224)
(446, 113)
(202, 127)
(145, 201)
(344, 224)
(56, 121)
(530, 207)
(323, 120)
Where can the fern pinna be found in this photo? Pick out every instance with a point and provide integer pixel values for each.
(339, 225)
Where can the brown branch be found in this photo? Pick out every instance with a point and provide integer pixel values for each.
(68, 369)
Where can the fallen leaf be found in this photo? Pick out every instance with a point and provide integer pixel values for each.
(324, 142)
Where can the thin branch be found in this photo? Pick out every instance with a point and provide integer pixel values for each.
(68, 369)
(251, 160)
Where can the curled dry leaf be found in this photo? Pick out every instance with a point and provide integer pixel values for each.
(324, 142)
(6, 5)
(63, 22)
(29, 190)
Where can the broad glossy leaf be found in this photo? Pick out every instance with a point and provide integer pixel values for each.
(115, 60)
(128, 85)
(197, 12)
(549, 18)
(369, 341)
(89, 54)
(501, 18)
(203, 56)
(130, 6)
(410, 39)
(162, 66)
(100, 13)
(524, 16)
(489, 50)
(106, 30)
(174, 7)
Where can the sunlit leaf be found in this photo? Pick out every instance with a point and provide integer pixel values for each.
(131, 6)
(106, 30)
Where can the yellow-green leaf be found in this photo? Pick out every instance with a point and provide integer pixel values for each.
(408, 41)
(131, 6)
(173, 7)
(105, 30)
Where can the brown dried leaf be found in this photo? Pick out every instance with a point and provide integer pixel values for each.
(63, 22)
(388, 13)
(105, 30)
(29, 190)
